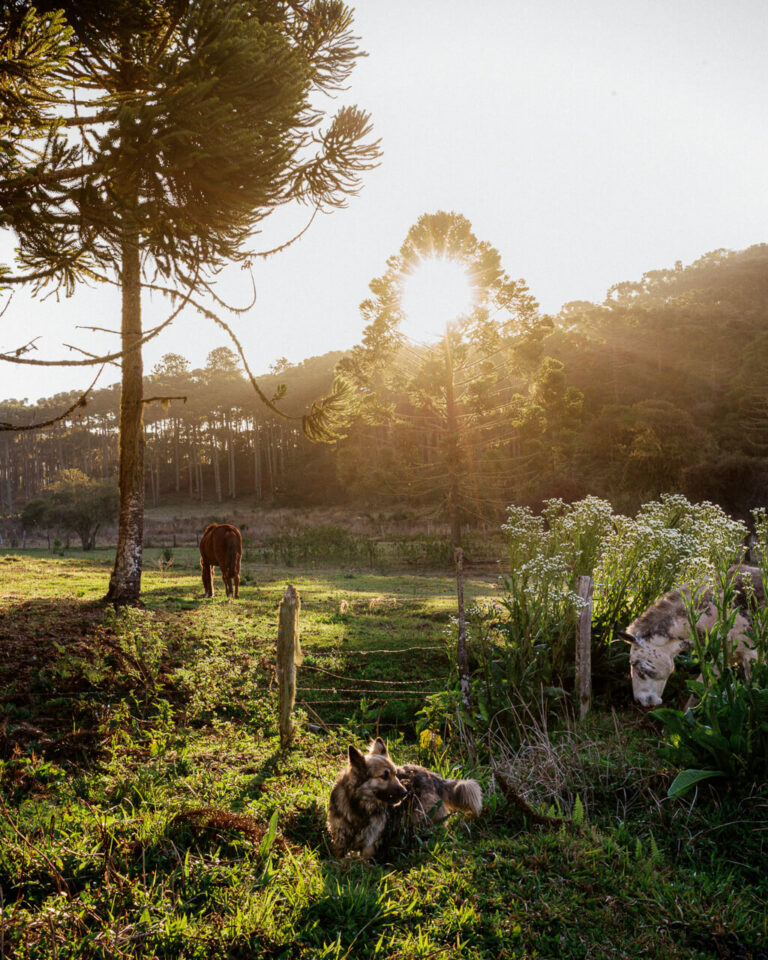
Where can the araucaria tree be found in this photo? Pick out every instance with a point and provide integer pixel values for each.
(143, 140)
(446, 423)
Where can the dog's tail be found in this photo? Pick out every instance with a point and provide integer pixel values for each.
(463, 795)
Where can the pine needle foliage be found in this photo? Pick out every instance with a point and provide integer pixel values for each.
(197, 119)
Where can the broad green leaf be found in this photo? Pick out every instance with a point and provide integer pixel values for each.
(689, 778)
(269, 837)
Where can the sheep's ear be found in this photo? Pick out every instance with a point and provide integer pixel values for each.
(630, 637)
(378, 747)
(357, 759)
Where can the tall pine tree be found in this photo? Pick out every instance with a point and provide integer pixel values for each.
(149, 138)
(445, 416)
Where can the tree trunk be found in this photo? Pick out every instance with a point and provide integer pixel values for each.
(231, 461)
(216, 469)
(176, 455)
(453, 454)
(191, 463)
(125, 583)
(256, 464)
(270, 462)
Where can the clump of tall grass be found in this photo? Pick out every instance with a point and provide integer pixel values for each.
(600, 766)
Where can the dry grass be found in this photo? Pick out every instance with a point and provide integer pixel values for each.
(380, 604)
(593, 761)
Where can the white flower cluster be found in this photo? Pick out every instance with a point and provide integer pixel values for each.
(632, 560)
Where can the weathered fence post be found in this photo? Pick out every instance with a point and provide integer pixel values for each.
(584, 588)
(462, 660)
(289, 656)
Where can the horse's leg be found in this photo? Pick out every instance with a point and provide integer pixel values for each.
(237, 578)
(227, 581)
(207, 578)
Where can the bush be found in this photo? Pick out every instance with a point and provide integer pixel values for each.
(73, 503)
(523, 645)
(546, 554)
(326, 544)
(670, 541)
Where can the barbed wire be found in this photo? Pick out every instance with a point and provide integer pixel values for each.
(303, 690)
(332, 703)
(370, 653)
(339, 676)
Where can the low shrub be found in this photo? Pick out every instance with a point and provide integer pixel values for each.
(312, 545)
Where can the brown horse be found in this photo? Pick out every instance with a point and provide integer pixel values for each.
(222, 545)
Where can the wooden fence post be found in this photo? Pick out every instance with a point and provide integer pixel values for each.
(584, 589)
(289, 656)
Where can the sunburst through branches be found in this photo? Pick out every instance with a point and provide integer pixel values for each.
(434, 294)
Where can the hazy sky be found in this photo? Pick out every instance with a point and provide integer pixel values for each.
(588, 142)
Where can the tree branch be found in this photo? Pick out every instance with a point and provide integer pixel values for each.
(78, 121)
(80, 402)
(317, 425)
(43, 179)
(30, 277)
(163, 400)
(110, 357)
(268, 253)
(93, 356)
(228, 306)
(79, 326)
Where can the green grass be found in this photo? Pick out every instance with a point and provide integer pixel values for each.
(103, 762)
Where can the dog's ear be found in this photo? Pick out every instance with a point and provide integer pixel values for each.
(357, 760)
(378, 748)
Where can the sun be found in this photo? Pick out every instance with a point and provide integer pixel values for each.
(434, 294)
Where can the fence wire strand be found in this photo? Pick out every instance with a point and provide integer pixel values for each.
(347, 677)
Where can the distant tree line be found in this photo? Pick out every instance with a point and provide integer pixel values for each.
(219, 444)
(661, 388)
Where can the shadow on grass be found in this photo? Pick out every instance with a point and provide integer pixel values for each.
(269, 768)
(178, 594)
(44, 712)
(32, 634)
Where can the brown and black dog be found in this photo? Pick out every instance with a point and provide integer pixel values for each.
(365, 795)
(221, 545)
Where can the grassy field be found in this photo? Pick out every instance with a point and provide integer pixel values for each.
(140, 774)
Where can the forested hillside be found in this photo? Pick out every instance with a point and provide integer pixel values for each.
(660, 388)
(673, 373)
